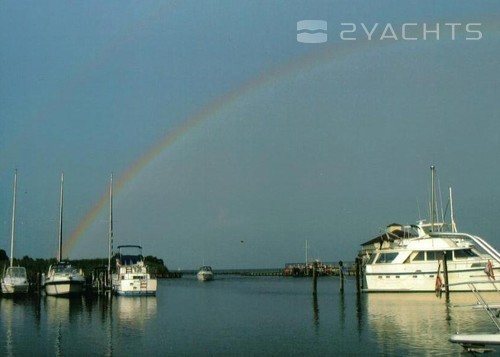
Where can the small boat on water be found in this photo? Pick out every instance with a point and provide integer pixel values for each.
(62, 279)
(14, 279)
(132, 277)
(415, 258)
(205, 273)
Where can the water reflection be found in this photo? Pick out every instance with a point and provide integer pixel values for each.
(61, 310)
(7, 310)
(420, 322)
(13, 312)
(359, 311)
(135, 309)
(315, 311)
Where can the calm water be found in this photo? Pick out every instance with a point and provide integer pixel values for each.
(233, 315)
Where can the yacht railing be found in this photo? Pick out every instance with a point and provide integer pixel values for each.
(480, 242)
(491, 309)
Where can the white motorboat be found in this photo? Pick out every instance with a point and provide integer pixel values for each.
(420, 257)
(14, 279)
(62, 279)
(132, 277)
(205, 273)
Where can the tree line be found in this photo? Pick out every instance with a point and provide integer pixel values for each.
(33, 267)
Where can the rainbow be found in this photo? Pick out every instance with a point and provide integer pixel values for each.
(208, 111)
(335, 51)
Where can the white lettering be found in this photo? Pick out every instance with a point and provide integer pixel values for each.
(353, 29)
(453, 25)
(436, 31)
(391, 36)
(403, 30)
(369, 33)
(478, 32)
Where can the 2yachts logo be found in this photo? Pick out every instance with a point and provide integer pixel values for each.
(314, 31)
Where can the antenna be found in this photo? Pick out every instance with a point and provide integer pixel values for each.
(452, 216)
(433, 169)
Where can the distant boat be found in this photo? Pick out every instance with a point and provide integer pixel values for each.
(14, 280)
(132, 277)
(205, 273)
(62, 279)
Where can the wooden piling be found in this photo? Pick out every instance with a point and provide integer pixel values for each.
(38, 282)
(358, 274)
(446, 281)
(315, 278)
(341, 274)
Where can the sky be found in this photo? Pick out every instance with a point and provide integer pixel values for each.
(232, 143)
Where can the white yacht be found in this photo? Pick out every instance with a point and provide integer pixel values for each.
(414, 261)
(205, 273)
(425, 256)
(14, 279)
(132, 277)
(62, 279)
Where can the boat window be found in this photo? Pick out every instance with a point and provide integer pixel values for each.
(372, 258)
(464, 253)
(438, 255)
(433, 255)
(420, 256)
(386, 257)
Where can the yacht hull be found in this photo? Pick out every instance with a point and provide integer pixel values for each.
(421, 279)
(64, 288)
(205, 276)
(135, 287)
(14, 287)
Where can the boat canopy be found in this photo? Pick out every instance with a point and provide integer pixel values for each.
(390, 236)
(16, 272)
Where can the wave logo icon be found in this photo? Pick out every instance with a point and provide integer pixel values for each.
(312, 31)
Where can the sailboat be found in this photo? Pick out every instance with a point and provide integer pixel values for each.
(14, 280)
(62, 279)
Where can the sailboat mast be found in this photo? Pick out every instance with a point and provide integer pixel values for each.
(13, 222)
(59, 255)
(453, 224)
(110, 237)
(432, 197)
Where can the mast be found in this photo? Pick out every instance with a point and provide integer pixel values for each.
(59, 255)
(432, 197)
(13, 222)
(110, 236)
(453, 224)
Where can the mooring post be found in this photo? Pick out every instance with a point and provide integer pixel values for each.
(446, 282)
(358, 274)
(341, 274)
(315, 278)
